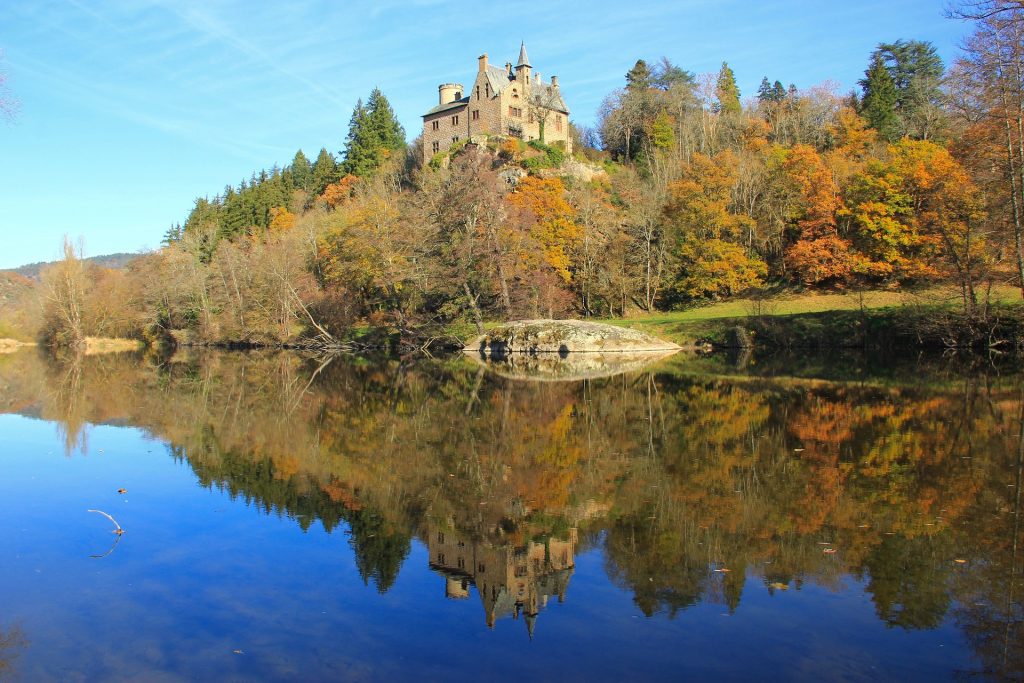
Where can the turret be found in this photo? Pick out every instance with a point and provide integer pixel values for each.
(449, 92)
(523, 67)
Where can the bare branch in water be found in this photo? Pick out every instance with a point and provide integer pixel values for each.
(117, 539)
(118, 530)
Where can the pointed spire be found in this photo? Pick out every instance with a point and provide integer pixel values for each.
(523, 59)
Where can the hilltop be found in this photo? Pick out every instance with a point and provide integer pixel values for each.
(116, 261)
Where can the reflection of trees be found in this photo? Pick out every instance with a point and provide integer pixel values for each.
(909, 581)
(676, 477)
(12, 642)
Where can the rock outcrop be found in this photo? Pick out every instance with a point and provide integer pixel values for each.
(564, 337)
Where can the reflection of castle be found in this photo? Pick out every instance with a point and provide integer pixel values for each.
(510, 580)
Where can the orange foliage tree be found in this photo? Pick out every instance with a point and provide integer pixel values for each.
(818, 255)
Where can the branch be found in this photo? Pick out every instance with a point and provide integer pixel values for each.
(118, 530)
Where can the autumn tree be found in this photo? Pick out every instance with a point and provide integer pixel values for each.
(540, 207)
(947, 208)
(989, 97)
(708, 237)
(817, 254)
(65, 285)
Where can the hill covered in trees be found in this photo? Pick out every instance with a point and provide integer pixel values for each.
(685, 192)
(33, 271)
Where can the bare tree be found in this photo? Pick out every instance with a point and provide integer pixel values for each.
(988, 88)
(64, 287)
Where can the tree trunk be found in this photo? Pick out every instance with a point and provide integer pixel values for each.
(477, 318)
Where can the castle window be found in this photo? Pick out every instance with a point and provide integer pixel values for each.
(458, 95)
(455, 138)
(480, 568)
(476, 114)
(435, 125)
(515, 131)
(478, 92)
(515, 95)
(455, 120)
(462, 563)
(487, 89)
(440, 558)
(436, 146)
(531, 117)
(558, 123)
(440, 537)
(515, 111)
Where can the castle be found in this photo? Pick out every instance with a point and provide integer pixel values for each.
(503, 101)
(512, 580)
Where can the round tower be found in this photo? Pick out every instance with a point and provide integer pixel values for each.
(449, 92)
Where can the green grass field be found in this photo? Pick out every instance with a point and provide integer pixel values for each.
(707, 322)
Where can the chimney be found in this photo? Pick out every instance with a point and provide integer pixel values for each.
(536, 78)
(483, 62)
(554, 81)
(508, 68)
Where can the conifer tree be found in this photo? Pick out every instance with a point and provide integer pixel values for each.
(917, 72)
(325, 172)
(302, 171)
(765, 91)
(878, 105)
(728, 92)
(638, 79)
(373, 134)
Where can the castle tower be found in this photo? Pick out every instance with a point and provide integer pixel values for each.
(523, 68)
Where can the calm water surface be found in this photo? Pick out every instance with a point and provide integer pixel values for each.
(291, 518)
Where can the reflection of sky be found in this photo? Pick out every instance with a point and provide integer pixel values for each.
(198, 576)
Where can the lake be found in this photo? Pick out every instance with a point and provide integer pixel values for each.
(289, 517)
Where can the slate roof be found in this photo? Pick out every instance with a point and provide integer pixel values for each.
(523, 59)
(499, 79)
(457, 104)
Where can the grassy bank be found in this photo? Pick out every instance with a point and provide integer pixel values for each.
(871, 319)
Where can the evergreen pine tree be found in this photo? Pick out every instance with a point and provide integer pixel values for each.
(778, 92)
(302, 171)
(384, 123)
(765, 93)
(728, 92)
(639, 78)
(325, 172)
(373, 134)
(878, 105)
(917, 72)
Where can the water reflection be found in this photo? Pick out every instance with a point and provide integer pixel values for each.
(511, 579)
(12, 643)
(697, 487)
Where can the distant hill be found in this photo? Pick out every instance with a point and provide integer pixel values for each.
(16, 301)
(115, 261)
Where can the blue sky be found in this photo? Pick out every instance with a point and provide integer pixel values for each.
(130, 109)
